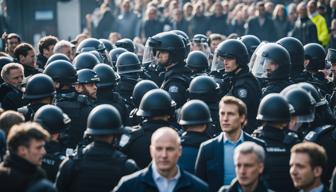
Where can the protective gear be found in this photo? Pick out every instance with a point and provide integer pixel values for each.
(108, 45)
(201, 43)
(61, 71)
(126, 44)
(185, 39)
(273, 107)
(86, 76)
(115, 53)
(140, 89)
(104, 120)
(39, 86)
(296, 52)
(85, 61)
(4, 61)
(92, 44)
(107, 76)
(52, 118)
(156, 102)
(204, 88)
(56, 57)
(200, 38)
(231, 48)
(271, 61)
(97, 55)
(165, 41)
(128, 63)
(195, 112)
(316, 55)
(251, 42)
(319, 101)
(197, 60)
(302, 103)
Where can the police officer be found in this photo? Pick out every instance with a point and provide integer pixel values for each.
(274, 112)
(93, 44)
(106, 93)
(114, 54)
(169, 51)
(53, 119)
(206, 89)
(85, 61)
(197, 61)
(86, 84)
(195, 119)
(139, 91)
(296, 53)
(100, 165)
(126, 44)
(157, 108)
(40, 91)
(230, 64)
(200, 42)
(315, 62)
(251, 42)
(130, 71)
(75, 105)
(272, 63)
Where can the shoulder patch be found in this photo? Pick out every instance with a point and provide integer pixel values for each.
(173, 89)
(242, 93)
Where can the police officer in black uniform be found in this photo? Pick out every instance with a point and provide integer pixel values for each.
(195, 119)
(314, 62)
(106, 93)
(86, 84)
(272, 62)
(139, 91)
(197, 61)
(93, 44)
(206, 89)
(169, 51)
(251, 42)
(40, 91)
(130, 71)
(232, 72)
(53, 119)
(85, 60)
(100, 165)
(75, 105)
(274, 112)
(157, 108)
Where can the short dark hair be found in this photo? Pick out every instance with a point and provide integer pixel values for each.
(22, 49)
(242, 110)
(46, 41)
(22, 134)
(10, 118)
(316, 153)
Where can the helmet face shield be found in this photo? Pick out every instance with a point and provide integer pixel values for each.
(217, 62)
(149, 54)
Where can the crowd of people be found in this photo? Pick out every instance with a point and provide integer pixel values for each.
(177, 109)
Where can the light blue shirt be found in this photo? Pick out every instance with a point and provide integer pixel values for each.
(229, 167)
(164, 184)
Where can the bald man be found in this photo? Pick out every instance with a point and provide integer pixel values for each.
(163, 174)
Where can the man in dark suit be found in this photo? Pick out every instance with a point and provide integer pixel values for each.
(214, 162)
(261, 25)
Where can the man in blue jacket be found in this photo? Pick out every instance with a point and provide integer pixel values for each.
(214, 162)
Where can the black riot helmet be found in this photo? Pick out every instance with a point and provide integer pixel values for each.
(126, 44)
(140, 89)
(165, 41)
(316, 55)
(271, 61)
(52, 118)
(200, 38)
(108, 45)
(195, 112)
(314, 93)
(61, 71)
(104, 120)
(128, 63)
(251, 42)
(107, 76)
(86, 76)
(56, 57)
(274, 108)
(39, 86)
(90, 44)
(85, 61)
(97, 55)
(296, 52)
(156, 102)
(204, 88)
(197, 60)
(185, 39)
(301, 101)
(230, 48)
(115, 53)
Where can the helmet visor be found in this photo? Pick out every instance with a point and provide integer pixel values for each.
(217, 62)
(148, 56)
